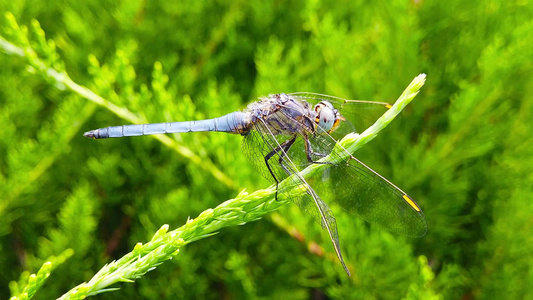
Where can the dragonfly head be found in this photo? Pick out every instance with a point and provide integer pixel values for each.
(327, 117)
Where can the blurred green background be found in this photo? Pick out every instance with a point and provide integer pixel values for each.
(463, 148)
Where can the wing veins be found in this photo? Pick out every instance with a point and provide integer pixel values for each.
(311, 192)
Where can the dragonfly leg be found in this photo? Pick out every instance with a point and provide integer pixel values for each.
(309, 152)
(283, 148)
(286, 146)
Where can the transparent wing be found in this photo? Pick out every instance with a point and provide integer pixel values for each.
(261, 143)
(361, 191)
(354, 186)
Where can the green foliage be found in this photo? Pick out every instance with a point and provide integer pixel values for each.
(463, 149)
(34, 282)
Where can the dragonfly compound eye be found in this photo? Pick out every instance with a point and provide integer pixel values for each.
(326, 117)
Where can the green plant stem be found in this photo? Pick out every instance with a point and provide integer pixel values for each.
(63, 79)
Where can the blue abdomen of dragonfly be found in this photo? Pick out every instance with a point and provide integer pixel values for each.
(236, 122)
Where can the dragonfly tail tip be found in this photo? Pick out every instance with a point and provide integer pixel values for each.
(90, 134)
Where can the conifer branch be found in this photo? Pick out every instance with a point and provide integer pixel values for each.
(44, 61)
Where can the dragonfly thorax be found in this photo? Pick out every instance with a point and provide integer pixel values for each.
(327, 117)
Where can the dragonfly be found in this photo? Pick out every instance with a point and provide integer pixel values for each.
(285, 133)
